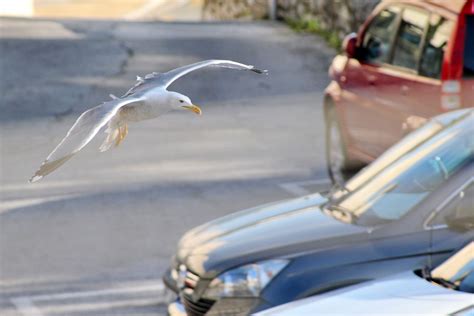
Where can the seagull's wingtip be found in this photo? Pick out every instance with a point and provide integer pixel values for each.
(35, 178)
(260, 71)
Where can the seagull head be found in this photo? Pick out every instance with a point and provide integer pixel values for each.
(179, 101)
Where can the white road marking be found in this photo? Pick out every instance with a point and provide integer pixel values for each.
(146, 8)
(13, 204)
(93, 308)
(16, 8)
(26, 307)
(124, 290)
(25, 304)
(298, 188)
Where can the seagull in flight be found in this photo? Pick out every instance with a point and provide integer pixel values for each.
(147, 99)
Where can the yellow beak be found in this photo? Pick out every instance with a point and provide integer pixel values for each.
(196, 109)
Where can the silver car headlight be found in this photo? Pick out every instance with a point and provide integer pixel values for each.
(245, 281)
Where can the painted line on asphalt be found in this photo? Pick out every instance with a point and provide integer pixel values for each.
(144, 9)
(13, 204)
(151, 6)
(26, 307)
(298, 188)
(26, 304)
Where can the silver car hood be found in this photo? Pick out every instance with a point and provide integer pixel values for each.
(401, 294)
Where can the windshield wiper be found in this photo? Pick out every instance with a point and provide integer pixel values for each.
(340, 186)
(446, 283)
(337, 187)
(426, 274)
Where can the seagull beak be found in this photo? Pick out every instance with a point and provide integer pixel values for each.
(196, 109)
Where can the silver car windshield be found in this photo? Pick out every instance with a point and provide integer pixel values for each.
(401, 185)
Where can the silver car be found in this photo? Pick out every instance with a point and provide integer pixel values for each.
(446, 290)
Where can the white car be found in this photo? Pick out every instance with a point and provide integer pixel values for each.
(446, 290)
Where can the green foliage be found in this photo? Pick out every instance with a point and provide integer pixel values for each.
(312, 25)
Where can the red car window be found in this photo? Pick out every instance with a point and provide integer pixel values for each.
(437, 37)
(379, 35)
(409, 40)
(469, 47)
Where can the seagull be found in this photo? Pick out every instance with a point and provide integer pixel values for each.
(147, 99)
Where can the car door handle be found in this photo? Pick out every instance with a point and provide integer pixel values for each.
(371, 80)
(404, 90)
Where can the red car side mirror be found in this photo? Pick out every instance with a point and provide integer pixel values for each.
(349, 45)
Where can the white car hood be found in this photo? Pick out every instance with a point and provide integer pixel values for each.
(402, 294)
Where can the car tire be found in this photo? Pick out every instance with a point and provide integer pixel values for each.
(339, 165)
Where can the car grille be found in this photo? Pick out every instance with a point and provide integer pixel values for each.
(199, 308)
(191, 280)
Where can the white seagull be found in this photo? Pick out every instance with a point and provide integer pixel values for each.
(147, 99)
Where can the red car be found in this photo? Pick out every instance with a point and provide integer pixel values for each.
(410, 60)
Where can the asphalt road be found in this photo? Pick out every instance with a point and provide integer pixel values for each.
(94, 237)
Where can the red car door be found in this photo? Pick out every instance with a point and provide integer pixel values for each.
(359, 82)
(409, 90)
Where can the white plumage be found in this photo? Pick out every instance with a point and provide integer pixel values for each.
(147, 99)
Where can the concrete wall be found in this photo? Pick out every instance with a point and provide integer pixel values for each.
(343, 16)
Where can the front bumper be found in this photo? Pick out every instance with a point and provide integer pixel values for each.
(176, 309)
(186, 301)
(223, 307)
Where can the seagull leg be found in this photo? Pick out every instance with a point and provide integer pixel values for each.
(118, 140)
(123, 131)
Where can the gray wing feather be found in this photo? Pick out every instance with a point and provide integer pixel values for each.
(169, 77)
(80, 134)
(165, 79)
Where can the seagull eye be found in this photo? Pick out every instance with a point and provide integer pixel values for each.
(181, 101)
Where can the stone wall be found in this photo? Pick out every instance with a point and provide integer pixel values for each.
(235, 9)
(342, 16)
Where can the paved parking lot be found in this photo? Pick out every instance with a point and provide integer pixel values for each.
(94, 237)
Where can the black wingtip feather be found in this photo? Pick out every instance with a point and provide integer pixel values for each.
(260, 71)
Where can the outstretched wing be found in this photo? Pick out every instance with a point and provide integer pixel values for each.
(169, 77)
(165, 79)
(80, 134)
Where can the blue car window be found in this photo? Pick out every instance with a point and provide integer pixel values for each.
(467, 285)
(458, 212)
(458, 270)
(399, 187)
